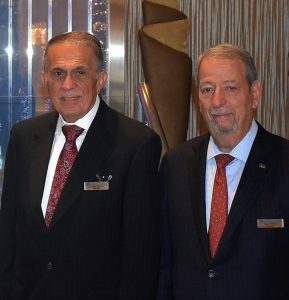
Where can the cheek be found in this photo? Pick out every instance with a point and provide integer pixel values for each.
(241, 112)
(204, 110)
(204, 106)
(88, 88)
(53, 89)
(88, 100)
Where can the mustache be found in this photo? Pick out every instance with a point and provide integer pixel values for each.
(221, 111)
(70, 95)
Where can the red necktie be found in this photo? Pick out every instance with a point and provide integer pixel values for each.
(219, 206)
(64, 164)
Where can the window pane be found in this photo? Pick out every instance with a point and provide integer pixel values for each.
(25, 27)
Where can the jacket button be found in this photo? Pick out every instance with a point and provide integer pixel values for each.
(211, 273)
(49, 266)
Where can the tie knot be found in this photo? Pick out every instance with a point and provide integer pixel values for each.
(72, 132)
(223, 159)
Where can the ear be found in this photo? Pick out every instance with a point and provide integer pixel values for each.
(101, 80)
(256, 92)
(43, 78)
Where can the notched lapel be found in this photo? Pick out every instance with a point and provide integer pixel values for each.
(250, 184)
(256, 171)
(39, 159)
(198, 171)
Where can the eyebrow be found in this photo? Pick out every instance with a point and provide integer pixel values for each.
(223, 82)
(229, 81)
(65, 69)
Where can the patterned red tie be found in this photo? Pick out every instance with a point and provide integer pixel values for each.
(64, 164)
(219, 207)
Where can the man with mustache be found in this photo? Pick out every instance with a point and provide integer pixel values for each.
(79, 213)
(225, 211)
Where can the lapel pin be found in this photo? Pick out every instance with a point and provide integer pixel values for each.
(262, 166)
(98, 177)
(103, 178)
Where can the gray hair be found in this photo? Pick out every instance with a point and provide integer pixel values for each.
(77, 37)
(231, 51)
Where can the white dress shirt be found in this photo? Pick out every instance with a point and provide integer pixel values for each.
(234, 169)
(58, 143)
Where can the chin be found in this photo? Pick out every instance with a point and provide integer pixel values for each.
(70, 118)
(224, 130)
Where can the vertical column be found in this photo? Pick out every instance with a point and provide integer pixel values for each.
(89, 16)
(28, 104)
(116, 55)
(49, 20)
(9, 51)
(69, 15)
(101, 28)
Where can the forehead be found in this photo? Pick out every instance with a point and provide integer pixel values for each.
(224, 69)
(70, 55)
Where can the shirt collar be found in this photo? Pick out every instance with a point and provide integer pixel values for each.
(84, 122)
(240, 151)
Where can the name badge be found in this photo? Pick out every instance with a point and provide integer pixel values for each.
(270, 223)
(96, 186)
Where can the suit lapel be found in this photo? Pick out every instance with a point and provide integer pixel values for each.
(255, 172)
(96, 148)
(39, 158)
(198, 170)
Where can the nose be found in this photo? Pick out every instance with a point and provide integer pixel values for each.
(218, 97)
(68, 82)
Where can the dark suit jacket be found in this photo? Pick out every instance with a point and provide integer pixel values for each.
(250, 263)
(101, 244)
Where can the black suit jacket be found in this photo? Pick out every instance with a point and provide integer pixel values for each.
(100, 244)
(251, 263)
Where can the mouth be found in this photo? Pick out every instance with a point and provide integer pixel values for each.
(222, 116)
(69, 98)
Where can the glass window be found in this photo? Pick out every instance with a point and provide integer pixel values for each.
(25, 27)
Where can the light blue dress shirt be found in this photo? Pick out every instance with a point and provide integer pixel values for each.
(234, 169)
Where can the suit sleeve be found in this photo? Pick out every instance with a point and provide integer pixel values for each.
(141, 237)
(7, 221)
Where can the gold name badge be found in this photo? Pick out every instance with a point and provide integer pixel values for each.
(270, 223)
(96, 186)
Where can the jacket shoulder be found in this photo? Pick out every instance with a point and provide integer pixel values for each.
(36, 122)
(193, 145)
(127, 127)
